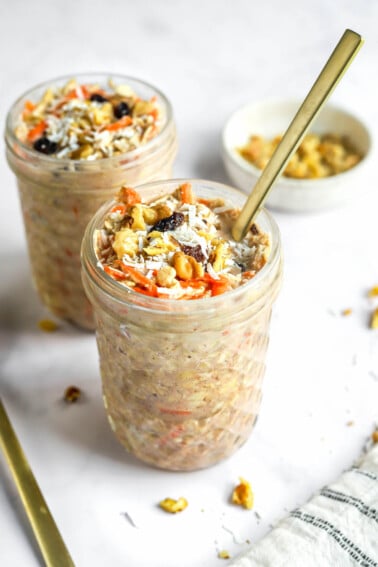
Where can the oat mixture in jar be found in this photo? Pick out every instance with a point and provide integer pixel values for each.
(178, 246)
(182, 344)
(71, 144)
(88, 121)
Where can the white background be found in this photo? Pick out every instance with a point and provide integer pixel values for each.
(209, 57)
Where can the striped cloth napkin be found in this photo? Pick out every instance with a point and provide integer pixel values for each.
(338, 527)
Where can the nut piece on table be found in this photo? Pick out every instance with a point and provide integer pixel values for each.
(47, 325)
(374, 319)
(243, 495)
(173, 506)
(72, 394)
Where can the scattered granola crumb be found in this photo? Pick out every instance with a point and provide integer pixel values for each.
(373, 292)
(47, 325)
(224, 554)
(346, 312)
(243, 495)
(350, 423)
(173, 506)
(72, 394)
(374, 319)
(374, 436)
(248, 541)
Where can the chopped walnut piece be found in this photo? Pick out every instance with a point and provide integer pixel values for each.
(72, 394)
(243, 495)
(374, 319)
(47, 325)
(224, 554)
(173, 506)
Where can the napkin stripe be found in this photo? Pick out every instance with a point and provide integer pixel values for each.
(369, 474)
(371, 513)
(345, 543)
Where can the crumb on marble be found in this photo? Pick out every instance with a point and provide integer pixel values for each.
(374, 319)
(242, 494)
(350, 423)
(173, 506)
(374, 436)
(72, 394)
(223, 554)
(47, 325)
(346, 312)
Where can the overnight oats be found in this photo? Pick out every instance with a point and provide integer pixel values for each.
(71, 144)
(182, 315)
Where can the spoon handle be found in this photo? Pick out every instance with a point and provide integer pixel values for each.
(50, 541)
(324, 85)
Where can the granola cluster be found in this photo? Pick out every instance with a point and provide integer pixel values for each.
(87, 122)
(178, 246)
(317, 156)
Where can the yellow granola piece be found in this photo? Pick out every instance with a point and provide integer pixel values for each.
(373, 292)
(224, 554)
(346, 312)
(158, 245)
(125, 242)
(102, 114)
(374, 436)
(243, 495)
(138, 218)
(142, 107)
(173, 506)
(374, 319)
(47, 325)
(221, 254)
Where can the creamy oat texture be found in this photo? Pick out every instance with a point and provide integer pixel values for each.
(181, 373)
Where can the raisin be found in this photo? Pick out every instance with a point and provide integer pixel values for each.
(97, 97)
(194, 251)
(254, 229)
(122, 109)
(45, 146)
(169, 223)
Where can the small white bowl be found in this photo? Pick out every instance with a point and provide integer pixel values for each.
(271, 118)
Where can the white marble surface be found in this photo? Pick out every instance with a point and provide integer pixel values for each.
(209, 57)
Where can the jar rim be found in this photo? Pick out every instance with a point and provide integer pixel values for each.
(125, 296)
(28, 152)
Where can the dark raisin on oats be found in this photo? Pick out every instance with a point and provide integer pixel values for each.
(97, 97)
(169, 223)
(254, 229)
(122, 109)
(45, 146)
(193, 251)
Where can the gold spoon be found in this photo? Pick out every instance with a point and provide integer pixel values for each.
(324, 85)
(50, 541)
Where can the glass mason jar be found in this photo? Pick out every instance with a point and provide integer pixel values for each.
(182, 379)
(59, 196)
